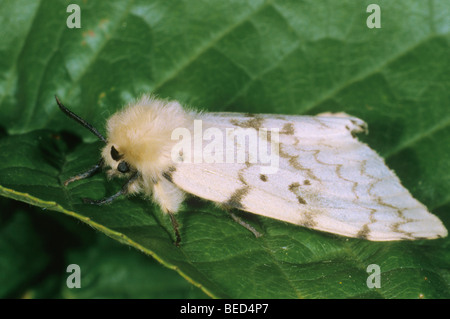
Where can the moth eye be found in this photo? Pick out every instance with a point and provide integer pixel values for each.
(115, 154)
(123, 167)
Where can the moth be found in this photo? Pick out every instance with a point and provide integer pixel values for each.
(310, 171)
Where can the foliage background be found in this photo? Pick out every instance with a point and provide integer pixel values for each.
(293, 57)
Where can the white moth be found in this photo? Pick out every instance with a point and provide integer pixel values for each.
(306, 170)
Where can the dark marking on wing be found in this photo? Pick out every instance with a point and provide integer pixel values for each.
(306, 182)
(364, 232)
(168, 174)
(254, 122)
(263, 177)
(294, 188)
(288, 129)
(235, 200)
(241, 178)
(269, 136)
(361, 126)
(309, 220)
(293, 162)
(396, 228)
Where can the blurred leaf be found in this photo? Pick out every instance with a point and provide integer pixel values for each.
(295, 57)
(111, 270)
(22, 254)
(35, 253)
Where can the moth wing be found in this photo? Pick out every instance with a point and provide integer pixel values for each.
(326, 180)
(291, 127)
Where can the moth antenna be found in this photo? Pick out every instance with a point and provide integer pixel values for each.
(80, 120)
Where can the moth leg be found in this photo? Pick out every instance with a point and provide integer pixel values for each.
(175, 228)
(244, 224)
(90, 172)
(123, 191)
(169, 197)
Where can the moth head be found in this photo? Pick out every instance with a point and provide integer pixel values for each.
(111, 154)
(139, 136)
(115, 159)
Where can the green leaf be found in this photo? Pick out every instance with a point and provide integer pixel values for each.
(111, 270)
(36, 249)
(22, 253)
(293, 57)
